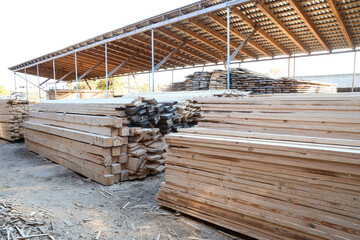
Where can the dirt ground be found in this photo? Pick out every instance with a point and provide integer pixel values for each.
(74, 208)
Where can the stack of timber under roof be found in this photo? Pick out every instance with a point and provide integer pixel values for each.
(197, 34)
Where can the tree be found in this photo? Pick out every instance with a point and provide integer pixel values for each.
(4, 91)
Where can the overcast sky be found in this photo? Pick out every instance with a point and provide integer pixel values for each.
(30, 29)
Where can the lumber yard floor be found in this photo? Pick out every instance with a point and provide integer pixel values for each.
(73, 208)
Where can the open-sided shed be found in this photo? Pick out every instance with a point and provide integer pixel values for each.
(205, 32)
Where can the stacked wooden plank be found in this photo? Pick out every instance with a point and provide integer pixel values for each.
(12, 115)
(62, 94)
(146, 150)
(279, 167)
(88, 138)
(256, 83)
(194, 82)
(188, 112)
(145, 114)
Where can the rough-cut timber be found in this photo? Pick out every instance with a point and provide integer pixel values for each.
(244, 80)
(71, 94)
(12, 115)
(88, 138)
(279, 167)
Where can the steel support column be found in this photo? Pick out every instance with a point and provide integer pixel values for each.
(152, 60)
(26, 85)
(353, 78)
(228, 48)
(38, 78)
(15, 81)
(172, 76)
(289, 66)
(54, 76)
(76, 76)
(106, 70)
(294, 67)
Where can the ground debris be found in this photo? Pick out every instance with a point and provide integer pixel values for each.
(16, 225)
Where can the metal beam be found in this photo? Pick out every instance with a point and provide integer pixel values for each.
(28, 81)
(38, 78)
(88, 71)
(294, 66)
(228, 48)
(122, 64)
(353, 78)
(106, 72)
(152, 60)
(54, 76)
(233, 55)
(15, 81)
(136, 31)
(76, 76)
(170, 55)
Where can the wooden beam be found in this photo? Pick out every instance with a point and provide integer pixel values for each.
(261, 31)
(311, 26)
(169, 56)
(243, 43)
(223, 60)
(267, 11)
(340, 21)
(45, 81)
(121, 64)
(145, 44)
(132, 73)
(190, 52)
(88, 84)
(220, 21)
(218, 35)
(88, 71)
(199, 37)
(198, 47)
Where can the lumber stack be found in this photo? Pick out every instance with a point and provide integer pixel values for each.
(271, 167)
(146, 114)
(316, 115)
(146, 150)
(188, 112)
(88, 138)
(62, 94)
(13, 113)
(245, 80)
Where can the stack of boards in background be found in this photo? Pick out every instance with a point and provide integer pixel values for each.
(12, 115)
(244, 80)
(270, 167)
(194, 82)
